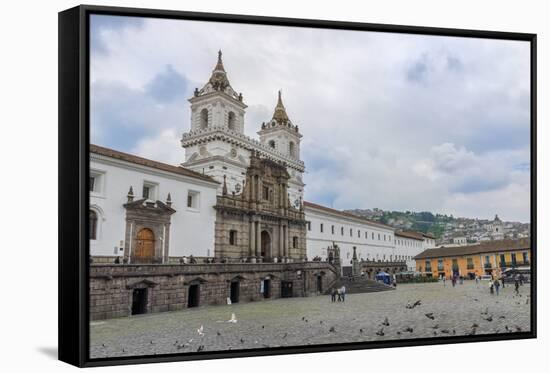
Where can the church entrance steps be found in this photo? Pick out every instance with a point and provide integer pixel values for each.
(358, 284)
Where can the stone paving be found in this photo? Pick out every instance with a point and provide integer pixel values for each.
(315, 320)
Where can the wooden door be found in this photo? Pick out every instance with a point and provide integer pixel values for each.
(145, 246)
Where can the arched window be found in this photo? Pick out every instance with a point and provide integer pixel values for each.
(272, 144)
(292, 149)
(231, 120)
(204, 118)
(93, 225)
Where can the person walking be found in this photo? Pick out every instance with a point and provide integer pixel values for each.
(333, 295)
(516, 285)
(491, 287)
(497, 285)
(444, 280)
(339, 292)
(477, 280)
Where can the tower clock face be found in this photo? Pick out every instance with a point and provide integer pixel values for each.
(233, 152)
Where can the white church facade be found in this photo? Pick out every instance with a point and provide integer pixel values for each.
(141, 209)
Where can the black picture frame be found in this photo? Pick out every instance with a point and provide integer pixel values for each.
(73, 165)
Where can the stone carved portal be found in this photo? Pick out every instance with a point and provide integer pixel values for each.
(266, 245)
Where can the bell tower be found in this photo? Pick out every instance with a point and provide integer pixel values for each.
(282, 135)
(217, 104)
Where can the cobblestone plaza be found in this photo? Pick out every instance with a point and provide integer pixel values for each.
(443, 311)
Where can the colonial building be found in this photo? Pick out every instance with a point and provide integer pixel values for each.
(145, 211)
(229, 223)
(486, 258)
(260, 224)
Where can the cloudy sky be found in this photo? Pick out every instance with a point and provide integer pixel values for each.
(401, 122)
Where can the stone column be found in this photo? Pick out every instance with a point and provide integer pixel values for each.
(252, 239)
(281, 240)
(258, 239)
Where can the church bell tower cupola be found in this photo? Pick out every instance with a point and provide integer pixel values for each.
(280, 133)
(217, 104)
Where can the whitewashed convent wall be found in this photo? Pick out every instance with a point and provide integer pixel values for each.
(371, 241)
(192, 229)
(407, 248)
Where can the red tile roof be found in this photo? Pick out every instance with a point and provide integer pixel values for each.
(482, 248)
(345, 214)
(96, 149)
(410, 234)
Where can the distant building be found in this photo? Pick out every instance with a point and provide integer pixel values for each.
(487, 258)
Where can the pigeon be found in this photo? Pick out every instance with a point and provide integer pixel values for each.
(436, 326)
(490, 318)
(103, 344)
(152, 343)
(411, 306)
(485, 312)
(430, 316)
(219, 334)
(200, 331)
(361, 330)
(398, 332)
(475, 299)
(284, 336)
(502, 317)
(506, 327)
(201, 347)
(435, 333)
(303, 318)
(386, 322)
(454, 332)
(409, 329)
(380, 332)
(242, 340)
(445, 331)
(472, 332)
(518, 329)
(332, 329)
(474, 325)
(263, 326)
(233, 319)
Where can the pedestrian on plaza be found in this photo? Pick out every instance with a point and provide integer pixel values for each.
(516, 285)
(461, 280)
(343, 293)
(497, 285)
(477, 280)
(339, 292)
(502, 280)
(521, 279)
(491, 287)
(453, 280)
(333, 295)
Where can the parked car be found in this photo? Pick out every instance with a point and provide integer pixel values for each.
(520, 273)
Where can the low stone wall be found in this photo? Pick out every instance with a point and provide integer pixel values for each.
(165, 287)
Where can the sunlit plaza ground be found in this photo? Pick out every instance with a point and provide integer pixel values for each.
(315, 320)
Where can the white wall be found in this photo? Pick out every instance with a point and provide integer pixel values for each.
(367, 248)
(191, 231)
(409, 248)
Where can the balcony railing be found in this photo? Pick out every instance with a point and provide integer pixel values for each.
(487, 266)
(514, 264)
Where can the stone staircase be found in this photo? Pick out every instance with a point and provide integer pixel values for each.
(359, 284)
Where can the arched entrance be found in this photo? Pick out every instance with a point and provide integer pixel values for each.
(145, 246)
(266, 245)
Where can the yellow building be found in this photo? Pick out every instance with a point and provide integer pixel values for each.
(485, 258)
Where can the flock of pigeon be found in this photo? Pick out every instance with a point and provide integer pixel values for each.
(382, 331)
